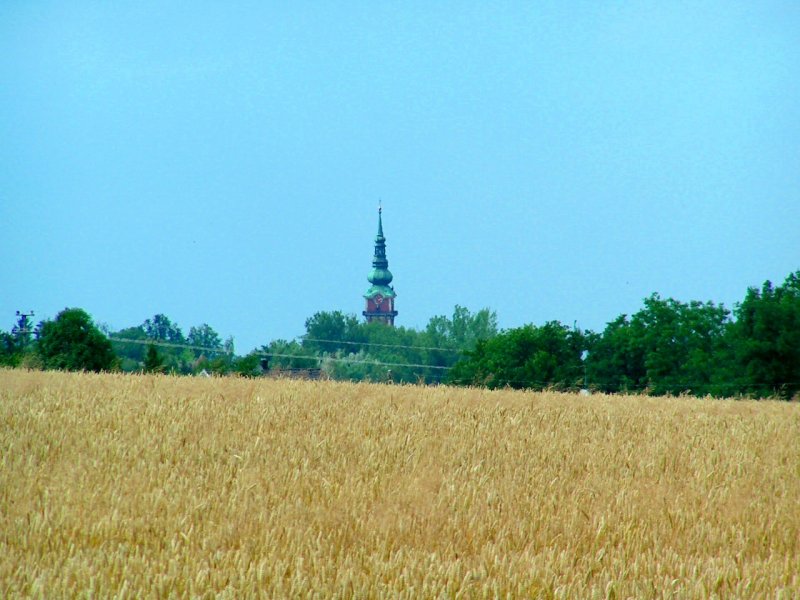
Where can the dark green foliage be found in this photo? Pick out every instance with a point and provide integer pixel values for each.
(283, 355)
(161, 329)
(682, 343)
(526, 357)
(204, 337)
(167, 337)
(16, 346)
(248, 366)
(72, 342)
(386, 355)
(668, 347)
(465, 329)
(220, 364)
(153, 361)
(616, 360)
(131, 354)
(764, 341)
(10, 350)
(333, 332)
(351, 349)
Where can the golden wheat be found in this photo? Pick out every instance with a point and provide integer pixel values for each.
(152, 486)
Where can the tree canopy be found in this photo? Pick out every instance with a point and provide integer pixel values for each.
(201, 349)
(73, 343)
(204, 336)
(666, 347)
(765, 340)
(348, 348)
(526, 357)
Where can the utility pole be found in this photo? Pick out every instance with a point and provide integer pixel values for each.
(22, 330)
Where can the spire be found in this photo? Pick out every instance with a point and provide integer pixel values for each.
(380, 274)
(380, 295)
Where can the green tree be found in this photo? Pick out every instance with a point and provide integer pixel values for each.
(73, 343)
(131, 354)
(358, 366)
(219, 359)
(248, 366)
(463, 330)
(526, 357)
(282, 354)
(10, 350)
(466, 328)
(332, 332)
(351, 349)
(446, 339)
(398, 348)
(764, 341)
(616, 359)
(176, 359)
(153, 361)
(16, 347)
(682, 343)
(161, 328)
(667, 347)
(204, 336)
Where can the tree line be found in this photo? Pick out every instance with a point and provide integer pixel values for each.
(667, 347)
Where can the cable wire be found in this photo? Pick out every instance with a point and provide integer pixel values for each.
(529, 383)
(277, 355)
(305, 339)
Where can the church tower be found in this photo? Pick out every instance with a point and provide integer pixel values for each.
(380, 295)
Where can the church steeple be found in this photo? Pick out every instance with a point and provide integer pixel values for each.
(380, 274)
(380, 295)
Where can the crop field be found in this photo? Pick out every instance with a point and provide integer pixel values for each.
(154, 486)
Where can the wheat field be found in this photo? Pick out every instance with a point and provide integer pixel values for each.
(133, 486)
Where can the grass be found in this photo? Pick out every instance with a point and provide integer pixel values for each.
(152, 486)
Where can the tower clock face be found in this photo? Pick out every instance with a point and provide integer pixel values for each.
(378, 300)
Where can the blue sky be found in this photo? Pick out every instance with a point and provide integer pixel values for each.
(222, 162)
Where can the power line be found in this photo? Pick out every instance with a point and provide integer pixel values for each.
(169, 345)
(306, 339)
(352, 361)
(502, 382)
(277, 355)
